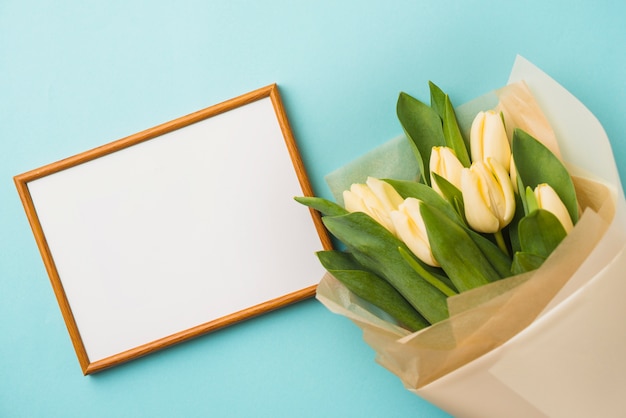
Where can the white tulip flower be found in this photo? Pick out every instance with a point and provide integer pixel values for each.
(444, 162)
(549, 200)
(488, 196)
(488, 139)
(375, 198)
(411, 230)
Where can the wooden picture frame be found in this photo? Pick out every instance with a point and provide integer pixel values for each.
(176, 231)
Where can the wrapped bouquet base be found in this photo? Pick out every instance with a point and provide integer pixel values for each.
(569, 363)
(545, 343)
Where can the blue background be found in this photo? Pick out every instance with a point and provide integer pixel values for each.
(75, 75)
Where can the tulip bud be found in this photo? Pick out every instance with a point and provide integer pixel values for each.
(443, 161)
(488, 196)
(411, 230)
(549, 200)
(375, 198)
(488, 139)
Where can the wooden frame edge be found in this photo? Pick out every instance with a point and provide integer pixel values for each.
(57, 287)
(298, 165)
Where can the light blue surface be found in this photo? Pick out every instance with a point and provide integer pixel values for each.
(75, 75)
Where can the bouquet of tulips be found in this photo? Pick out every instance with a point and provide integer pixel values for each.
(454, 267)
(486, 207)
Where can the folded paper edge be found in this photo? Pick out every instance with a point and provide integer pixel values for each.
(573, 123)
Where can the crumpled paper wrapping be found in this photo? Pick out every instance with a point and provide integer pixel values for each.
(469, 364)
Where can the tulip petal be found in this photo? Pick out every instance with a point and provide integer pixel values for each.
(476, 136)
(477, 203)
(488, 139)
(386, 194)
(506, 210)
(353, 202)
(495, 142)
(382, 217)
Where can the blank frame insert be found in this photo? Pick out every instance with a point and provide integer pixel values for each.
(177, 230)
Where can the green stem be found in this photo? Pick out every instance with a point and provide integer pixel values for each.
(419, 269)
(501, 243)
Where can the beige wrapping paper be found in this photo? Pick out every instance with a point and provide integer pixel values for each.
(468, 364)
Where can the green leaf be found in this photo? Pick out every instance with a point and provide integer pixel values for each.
(512, 229)
(500, 262)
(435, 280)
(451, 193)
(324, 206)
(376, 249)
(459, 207)
(371, 288)
(531, 200)
(437, 99)
(459, 256)
(422, 127)
(441, 104)
(524, 262)
(540, 232)
(536, 164)
(452, 134)
(521, 194)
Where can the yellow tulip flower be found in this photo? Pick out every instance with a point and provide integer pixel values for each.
(375, 198)
(488, 139)
(549, 200)
(411, 229)
(443, 162)
(488, 196)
